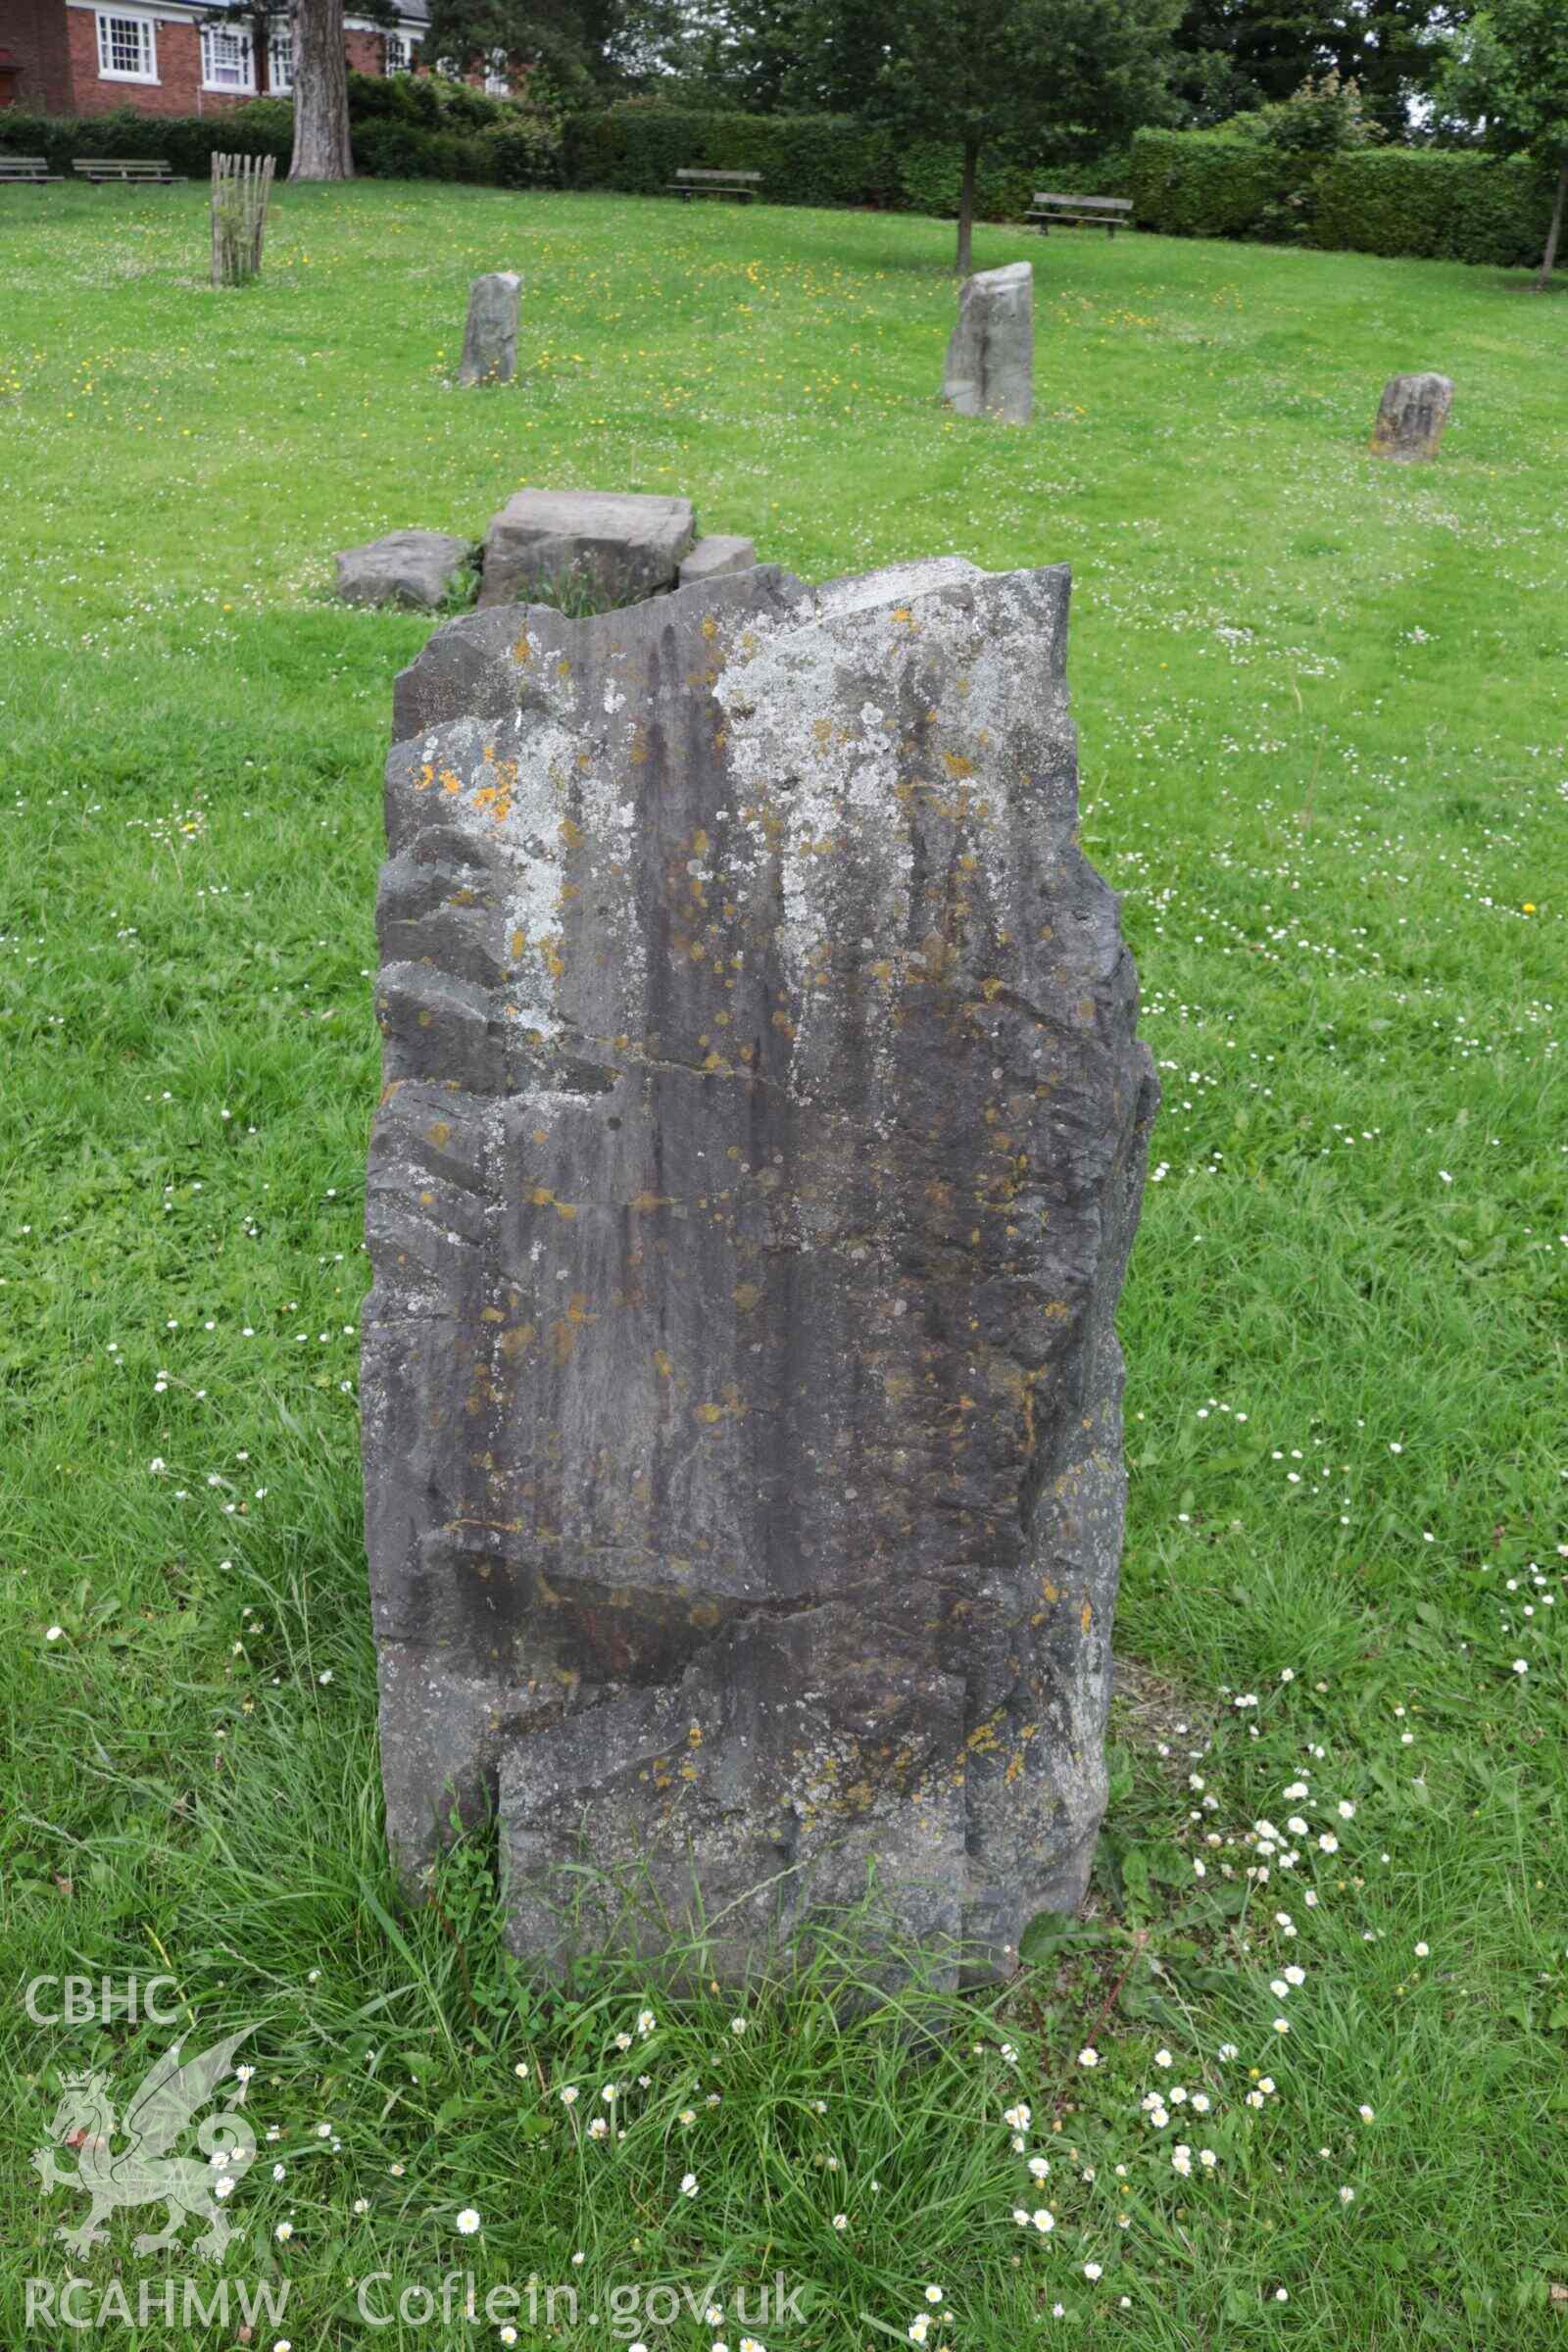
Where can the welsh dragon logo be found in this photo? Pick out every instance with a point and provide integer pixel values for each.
(142, 2173)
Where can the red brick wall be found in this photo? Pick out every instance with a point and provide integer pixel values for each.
(176, 91)
(34, 31)
(57, 50)
(367, 52)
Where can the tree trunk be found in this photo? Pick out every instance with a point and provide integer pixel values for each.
(965, 261)
(1554, 233)
(321, 92)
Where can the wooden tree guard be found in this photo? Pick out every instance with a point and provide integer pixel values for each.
(242, 185)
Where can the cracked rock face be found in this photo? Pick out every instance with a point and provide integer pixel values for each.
(760, 1149)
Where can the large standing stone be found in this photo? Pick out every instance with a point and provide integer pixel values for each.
(615, 544)
(490, 338)
(1411, 421)
(759, 1151)
(991, 356)
(406, 567)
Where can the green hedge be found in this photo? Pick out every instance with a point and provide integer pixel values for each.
(803, 158)
(408, 127)
(184, 141)
(639, 146)
(1431, 203)
(1197, 183)
(930, 173)
(1411, 203)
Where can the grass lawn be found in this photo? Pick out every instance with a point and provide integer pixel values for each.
(1324, 711)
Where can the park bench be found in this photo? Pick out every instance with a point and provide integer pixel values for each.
(127, 171)
(25, 171)
(1109, 212)
(716, 183)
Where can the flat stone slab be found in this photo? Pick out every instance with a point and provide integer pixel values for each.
(990, 368)
(712, 558)
(1411, 418)
(406, 567)
(616, 545)
(759, 1149)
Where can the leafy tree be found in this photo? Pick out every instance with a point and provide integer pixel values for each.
(580, 42)
(792, 56)
(1257, 52)
(978, 71)
(1506, 78)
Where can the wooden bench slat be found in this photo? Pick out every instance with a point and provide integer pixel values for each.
(694, 181)
(1109, 212)
(144, 171)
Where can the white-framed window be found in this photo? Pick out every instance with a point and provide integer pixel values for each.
(226, 59)
(281, 64)
(398, 60)
(498, 75)
(127, 47)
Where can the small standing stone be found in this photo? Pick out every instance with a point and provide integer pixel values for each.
(712, 559)
(490, 341)
(1410, 421)
(991, 358)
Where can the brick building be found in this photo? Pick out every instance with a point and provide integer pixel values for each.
(166, 57)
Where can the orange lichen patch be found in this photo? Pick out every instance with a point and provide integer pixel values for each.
(450, 782)
(1086, 1618)
(440, 1133)
(522, 650)
(494, 800)
(661, 1364)
(710, 626)
(492, 1314)
(957, 765)
(520, 1336)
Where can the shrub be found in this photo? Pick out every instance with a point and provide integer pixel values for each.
(1435, 203)
(814, 158)
(803, 158)
(403, 129)
(1319, 119)
(1410, 203)
(930, 171)
(1202, 183)
(410, 98)
(186, 142)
